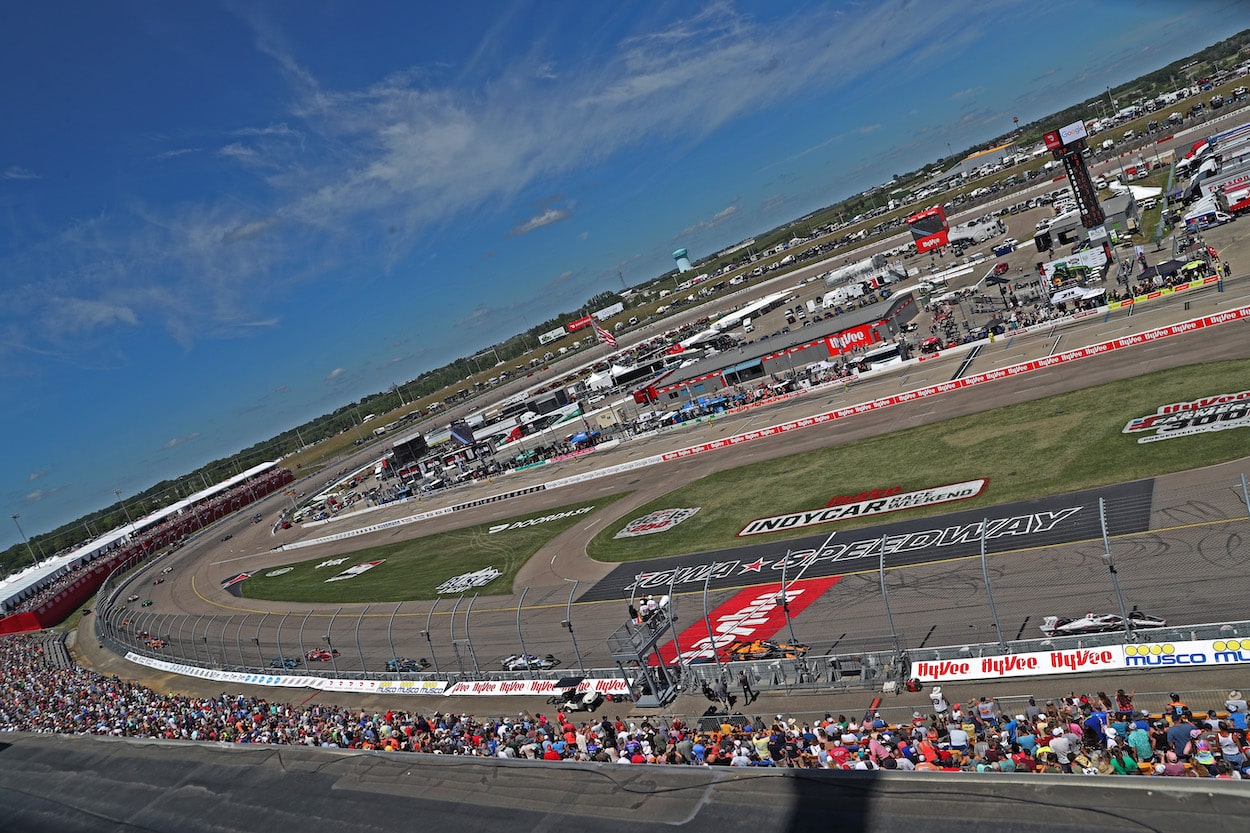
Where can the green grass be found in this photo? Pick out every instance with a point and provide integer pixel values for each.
(414, 568)
(1049, 446)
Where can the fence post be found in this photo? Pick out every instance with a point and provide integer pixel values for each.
(278, 636)
(426, 633)
(330, 642)
(195, 647)
(1115, 577)
(672, 617)
(256, 639)
(468, 640)
(885, 597)
(360, 651)
(238, 639)
(989, 590)
(390, 629)
(303, 652)
(520, 635)
(707, 620)
(568, 623)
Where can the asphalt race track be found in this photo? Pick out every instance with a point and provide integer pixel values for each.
(938, 600)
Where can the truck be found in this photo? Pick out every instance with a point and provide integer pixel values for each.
(1239, 202)
(747, 326)
(1205, 214)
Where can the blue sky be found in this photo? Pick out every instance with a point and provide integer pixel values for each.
(220, 220)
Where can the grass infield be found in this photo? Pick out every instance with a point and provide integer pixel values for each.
(413, 569)
(1048, 446)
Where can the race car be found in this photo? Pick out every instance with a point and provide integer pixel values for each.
(146, 603)
(528, 662)
(158, 581)
(284, 662)
(153, 642)
(765, 649)
(133, 597)
(322, 654)
(1098, 623)
(406, 664)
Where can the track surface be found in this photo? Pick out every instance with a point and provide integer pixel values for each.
(936, 603)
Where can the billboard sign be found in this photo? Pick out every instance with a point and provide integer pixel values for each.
(1073, 132)
(551, 335)
(929, 229)
(574, 326)
(609, 311)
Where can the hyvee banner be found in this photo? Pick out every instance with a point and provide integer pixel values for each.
(494, 688)
(1038, 663)
(1199, 653)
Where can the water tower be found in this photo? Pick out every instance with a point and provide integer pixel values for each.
(683, 262)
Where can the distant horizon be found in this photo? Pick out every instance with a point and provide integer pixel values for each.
(223, 222)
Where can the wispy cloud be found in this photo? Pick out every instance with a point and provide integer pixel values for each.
(551, 215)
(239, 151)
(724, 215)
(273, 130)
(177, 441)
(35, 475)
(176, 152)
(18, 172)
(378, 167)
(335, 373)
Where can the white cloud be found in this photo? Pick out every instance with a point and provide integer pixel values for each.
(273, 130)
(36, 496)
(176, 152)
(76, 315)
(551, 215)
(35, 475)
(413, 151)
(335, 373)
(177, 441)
(18, 172)
(725, 214)
(237, 150)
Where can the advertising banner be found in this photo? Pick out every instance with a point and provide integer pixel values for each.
(1035, 664)
(551, 335)
(574, 326)
(609, 311)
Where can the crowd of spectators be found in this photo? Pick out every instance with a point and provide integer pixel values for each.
(42, 692)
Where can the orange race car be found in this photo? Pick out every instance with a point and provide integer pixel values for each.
(765, 649)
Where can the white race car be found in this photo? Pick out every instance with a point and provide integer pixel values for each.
(528, 662)
(1098, 623)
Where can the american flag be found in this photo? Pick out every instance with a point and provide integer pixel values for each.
(604, 336)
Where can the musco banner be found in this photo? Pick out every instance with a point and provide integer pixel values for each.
(1055, 520)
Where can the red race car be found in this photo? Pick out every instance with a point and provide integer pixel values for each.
(321, 654)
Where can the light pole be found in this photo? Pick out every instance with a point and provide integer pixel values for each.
(15, 516)
(118, 493)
